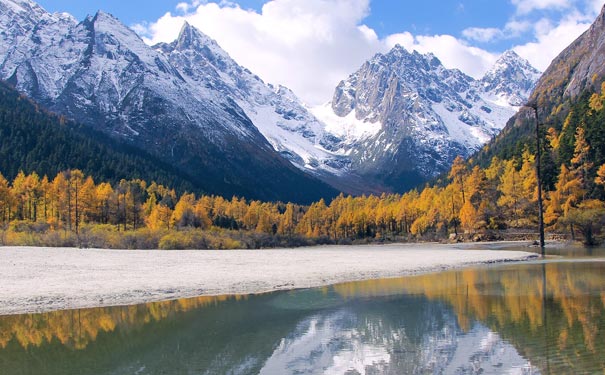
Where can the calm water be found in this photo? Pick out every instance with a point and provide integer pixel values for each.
(537, 318)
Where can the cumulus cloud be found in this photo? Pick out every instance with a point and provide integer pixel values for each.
(548, 35)
(307, 45)
(551, 39)
(512, 29)
(452, 52)
(310, 45)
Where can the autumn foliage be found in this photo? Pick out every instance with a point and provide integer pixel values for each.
(71, 209)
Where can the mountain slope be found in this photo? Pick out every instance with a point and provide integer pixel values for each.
(34, 140)
(397, 122)
(103, 75)
(577, 71)
(417, 116)
(275, 111)
(580, 67)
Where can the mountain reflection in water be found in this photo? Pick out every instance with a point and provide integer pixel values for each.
(542, 317)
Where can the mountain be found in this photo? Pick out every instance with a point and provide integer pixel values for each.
(510, 81)
(578, 71)
(33, 140)
(277, 113)
(397, 122)
(580, 67)
(100, 73)
(405, 117)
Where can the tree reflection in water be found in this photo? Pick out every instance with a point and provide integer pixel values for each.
(537, 318)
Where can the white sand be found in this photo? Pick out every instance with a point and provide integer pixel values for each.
(45, 279)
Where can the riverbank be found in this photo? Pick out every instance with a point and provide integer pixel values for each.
(46, 279)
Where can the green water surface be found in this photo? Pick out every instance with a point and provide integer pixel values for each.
(541, 317)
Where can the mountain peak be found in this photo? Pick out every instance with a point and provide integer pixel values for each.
(509, 54)
(108, 23)
(192, 38)
(399, 49)
(101, 15)
(400, 56)
(511, 79)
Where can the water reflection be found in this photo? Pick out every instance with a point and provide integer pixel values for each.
(526, 318)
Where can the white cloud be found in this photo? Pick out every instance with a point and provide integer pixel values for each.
(482, 34)
(517, 27)
(185, 7)
(307, 45)
(310, 45)
(561, 24)
(551, 39)
(452, 52)
(595, 6)
(527, 6)
(512, 29)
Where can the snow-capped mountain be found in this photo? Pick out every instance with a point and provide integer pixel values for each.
(101, 73)
(344, 142)
(277, 113)
(409, 117)
(399, 120)
(510, 81)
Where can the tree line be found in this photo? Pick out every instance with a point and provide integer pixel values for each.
(470, 199)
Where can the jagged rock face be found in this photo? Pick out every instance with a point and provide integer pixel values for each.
(512, 79)
(399, 120)
(426, 114)
(101, 73)
(277, 113)
(580, 67)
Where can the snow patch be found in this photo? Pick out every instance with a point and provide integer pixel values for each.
(349, 127)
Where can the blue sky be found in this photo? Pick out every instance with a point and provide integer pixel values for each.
(385, 17)
(329, 39)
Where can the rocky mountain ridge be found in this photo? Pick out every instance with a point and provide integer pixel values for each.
(100, 73)
(398, 121)
(579, 69)
(423, 115)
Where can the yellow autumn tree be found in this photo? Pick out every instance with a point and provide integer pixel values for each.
(600, 179)
(61, 205)
(457, 174)
(202, 214)
(88, 201)
(159, 218)
(287, 222)
(510, 191)
(5, 200)
(183, 214)
(529, 190)
(103, 197)
(468, 217)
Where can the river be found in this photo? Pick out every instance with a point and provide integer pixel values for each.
(538, 317)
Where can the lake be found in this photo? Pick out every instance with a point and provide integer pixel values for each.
(541, 317)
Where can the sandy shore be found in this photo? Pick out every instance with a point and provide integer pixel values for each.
(45, 279)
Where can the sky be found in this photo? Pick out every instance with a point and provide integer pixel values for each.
(311, 45)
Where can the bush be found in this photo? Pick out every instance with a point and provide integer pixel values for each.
(190, 239)
(24, 226)
(108, 237)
